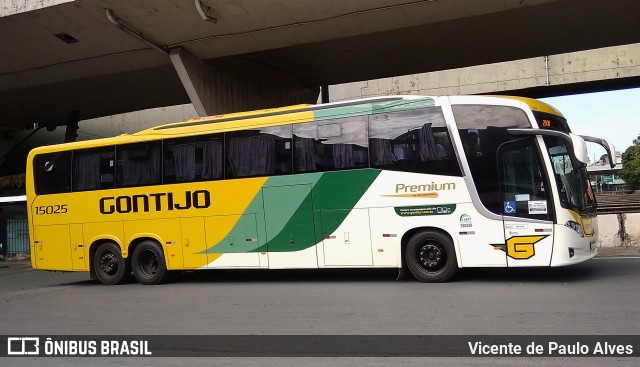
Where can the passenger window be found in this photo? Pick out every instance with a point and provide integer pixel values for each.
(52, 173)
(331, 145)
(93, 169)
(193, 159)
(259, 152)
(138, 164)
(412, 141)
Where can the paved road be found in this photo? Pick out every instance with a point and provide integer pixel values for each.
(601, 296)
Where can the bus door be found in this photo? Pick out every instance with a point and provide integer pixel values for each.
(350, 243)
(288, 213)
(79, 250)
(52, 247)
(527, 208)
(232, 240)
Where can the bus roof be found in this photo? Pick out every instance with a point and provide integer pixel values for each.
(283, 115)
(535, 105)
(291, 114)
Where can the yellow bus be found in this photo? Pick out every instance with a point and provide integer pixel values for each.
(428, 184)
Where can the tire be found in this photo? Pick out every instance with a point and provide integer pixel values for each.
(148, 263)
(109, 265)
(431, 257)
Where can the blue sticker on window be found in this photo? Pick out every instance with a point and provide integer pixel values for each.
(509, 207)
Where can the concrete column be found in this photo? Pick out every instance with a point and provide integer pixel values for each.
(236, 85)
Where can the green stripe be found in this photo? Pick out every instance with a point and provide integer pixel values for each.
(293, 208)
(334, 190)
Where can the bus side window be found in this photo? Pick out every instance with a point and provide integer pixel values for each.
(305, 137)
(93, 169)
(193, 159)
(138, 164)
(331, 145)
(261, 152)
(52, 173)
(412, 141)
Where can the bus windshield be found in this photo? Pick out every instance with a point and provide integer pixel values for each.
(572, 181)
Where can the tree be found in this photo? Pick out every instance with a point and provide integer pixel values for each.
(630, 172)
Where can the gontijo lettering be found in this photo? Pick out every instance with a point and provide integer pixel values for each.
(199, 199)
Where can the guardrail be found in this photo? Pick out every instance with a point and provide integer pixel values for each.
(618, 203)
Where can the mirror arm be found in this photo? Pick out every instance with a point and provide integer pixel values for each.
(571, 140)
(611, 151)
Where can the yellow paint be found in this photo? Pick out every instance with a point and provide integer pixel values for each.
(536, 105)
(229, 199)
(587, 227)
(78, 249)
(53, 248)
(210, 126)
(218, 228)
(585, 222)
(238, 116)
(193, 242)
(576, 216)
(522, 247)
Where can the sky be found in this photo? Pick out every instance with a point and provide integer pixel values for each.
(613, 116)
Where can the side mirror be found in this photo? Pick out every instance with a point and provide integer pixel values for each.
(611, 150)
(576, 142)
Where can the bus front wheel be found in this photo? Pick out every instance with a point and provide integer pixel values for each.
(109, 265)
(431, 257)
(147, 261)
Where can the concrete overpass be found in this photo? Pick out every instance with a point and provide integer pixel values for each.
(596, 70)
(62, 56)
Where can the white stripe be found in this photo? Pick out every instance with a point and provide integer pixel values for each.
(10, 199)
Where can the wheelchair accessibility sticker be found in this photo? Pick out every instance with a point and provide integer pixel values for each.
(509, 207)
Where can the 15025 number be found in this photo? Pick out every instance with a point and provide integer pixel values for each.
(51, 209)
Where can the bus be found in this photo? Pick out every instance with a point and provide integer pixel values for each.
(428, 184)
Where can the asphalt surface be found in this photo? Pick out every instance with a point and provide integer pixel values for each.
(598, 297)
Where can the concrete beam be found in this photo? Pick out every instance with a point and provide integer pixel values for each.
(11, 7)
(551, 73)
(224, 87)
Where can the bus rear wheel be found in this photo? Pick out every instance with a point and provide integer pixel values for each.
(149, 266)
(431, 257)
(109, 265)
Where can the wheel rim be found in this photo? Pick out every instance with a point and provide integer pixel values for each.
(431, 256)
(149, 264)
(109, 263)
